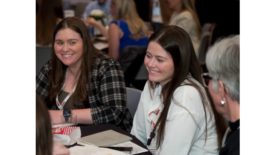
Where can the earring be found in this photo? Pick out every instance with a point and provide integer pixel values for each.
(223, 101)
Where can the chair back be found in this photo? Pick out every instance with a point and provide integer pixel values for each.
(130, 54)
(133, 96)
(131, 60)
(43, 54)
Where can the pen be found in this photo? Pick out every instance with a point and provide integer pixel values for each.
(119, 148)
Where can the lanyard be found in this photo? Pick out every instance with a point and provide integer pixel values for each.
(154, 124)
(61, 105)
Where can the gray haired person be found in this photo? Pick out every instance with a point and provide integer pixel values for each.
(223, 82)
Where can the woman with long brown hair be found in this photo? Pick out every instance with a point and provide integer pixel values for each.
(174, 115)
(81, 84)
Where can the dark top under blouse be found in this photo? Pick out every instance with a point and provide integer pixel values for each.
(232, 142)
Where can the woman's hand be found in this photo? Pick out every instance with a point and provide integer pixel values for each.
(60, 149)
(90, 21)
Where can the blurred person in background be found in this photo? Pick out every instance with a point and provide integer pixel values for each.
(103, 5)
(174, 115)
(96, 16)
(223, 81)
(49, 13)
(81, 83)
(184, 15)
(127, 28)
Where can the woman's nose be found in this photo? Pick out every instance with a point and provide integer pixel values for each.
(151, 63)
(65, 47)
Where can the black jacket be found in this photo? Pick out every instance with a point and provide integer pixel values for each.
(232, 142)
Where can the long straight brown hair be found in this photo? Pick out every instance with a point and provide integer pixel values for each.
(57, 73)
(178, 44)
(44, 139)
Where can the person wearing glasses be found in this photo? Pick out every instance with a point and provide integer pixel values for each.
(80, 84)
(174, 115)
(223, 81)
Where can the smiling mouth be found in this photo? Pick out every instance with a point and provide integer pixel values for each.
(153, 71)
(66, 55)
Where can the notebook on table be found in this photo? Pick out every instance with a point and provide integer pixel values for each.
(104, 138)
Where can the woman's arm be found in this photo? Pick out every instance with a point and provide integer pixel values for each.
(79, 116)
(114, 35)
(139, 123)
(92, 22)
(109, 104)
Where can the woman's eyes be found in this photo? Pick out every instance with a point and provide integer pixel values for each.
(160, 60)
(58, 42)
(149, 56)
(72, 42)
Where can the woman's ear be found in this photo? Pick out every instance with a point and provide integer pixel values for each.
(221, 88)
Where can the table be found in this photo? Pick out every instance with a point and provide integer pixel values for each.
(100, 43)
(91, 129)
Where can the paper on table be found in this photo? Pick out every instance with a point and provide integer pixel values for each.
(136, 148)
(101, 45)
(93, 150)
(105, 138)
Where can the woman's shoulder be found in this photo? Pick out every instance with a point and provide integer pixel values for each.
(103, 61)
(188, 96)
(119, 22)
(187, 99)
(122, 24)
(187, 90)
(184, 15)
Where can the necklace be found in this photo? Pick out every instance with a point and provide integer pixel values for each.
(59, 104)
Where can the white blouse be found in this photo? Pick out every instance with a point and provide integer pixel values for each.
(185, 126)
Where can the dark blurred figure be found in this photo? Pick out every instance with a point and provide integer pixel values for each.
(226, 15)
(48, 14)
(144, 9)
